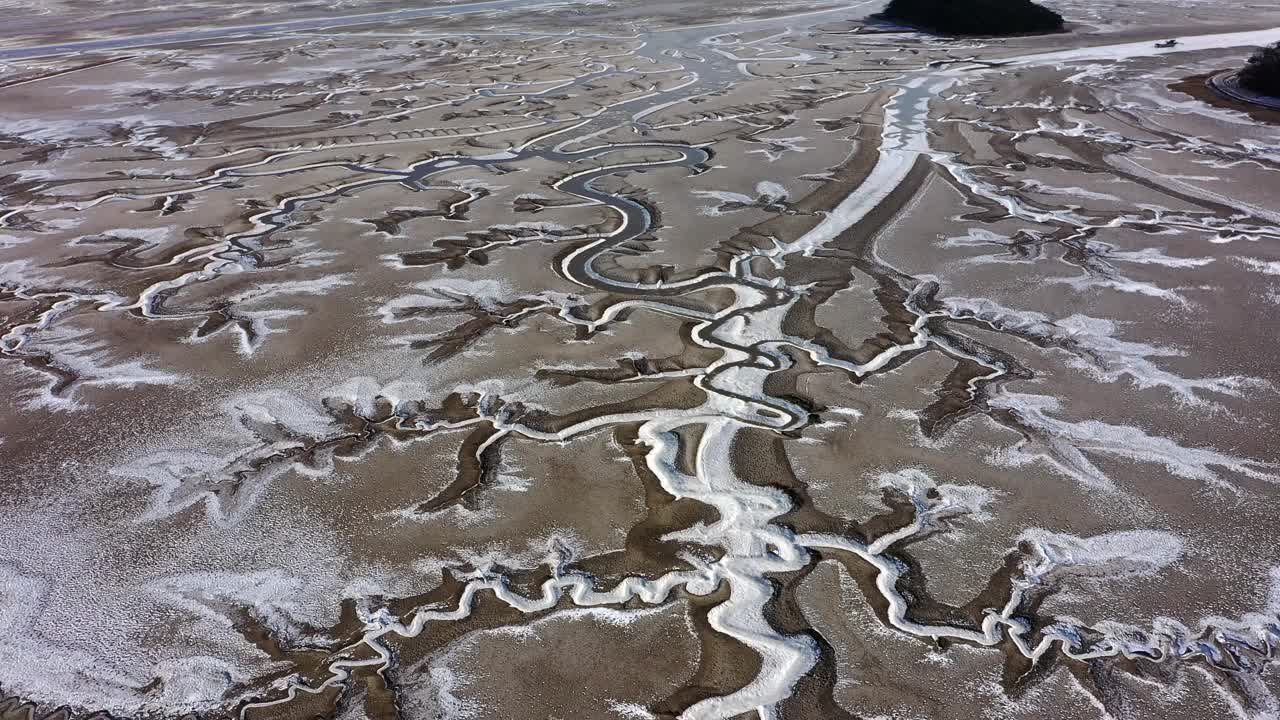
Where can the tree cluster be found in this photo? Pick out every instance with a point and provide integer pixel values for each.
(974, 17)
(1262, 73)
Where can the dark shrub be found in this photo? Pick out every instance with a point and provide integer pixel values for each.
(1262, 73)
(974, 17)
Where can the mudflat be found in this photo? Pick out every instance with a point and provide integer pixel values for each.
(587, 359)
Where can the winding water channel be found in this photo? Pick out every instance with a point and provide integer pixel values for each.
(753, 345)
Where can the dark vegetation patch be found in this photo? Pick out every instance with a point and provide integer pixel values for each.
(1262, 73)
(974, 17)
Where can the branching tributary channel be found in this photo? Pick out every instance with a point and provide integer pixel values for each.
(748, 333)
